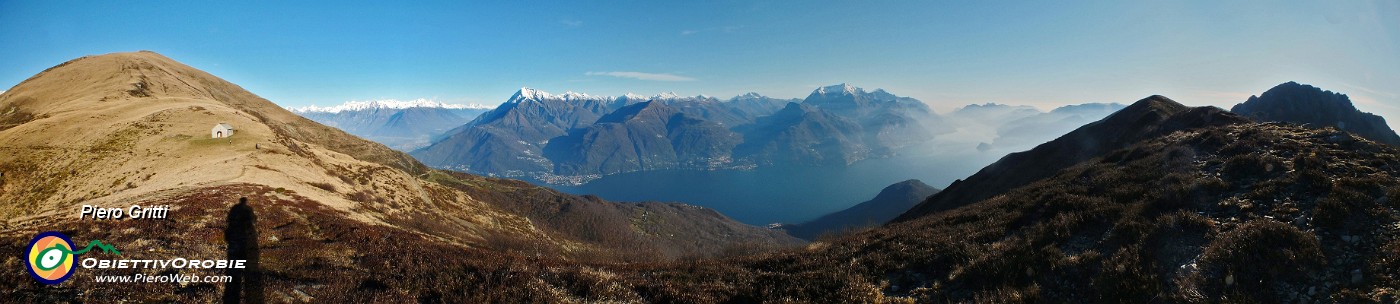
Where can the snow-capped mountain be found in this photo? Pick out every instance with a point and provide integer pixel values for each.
(402, 125)
(356, 105)
(571, 137)
(530, 94)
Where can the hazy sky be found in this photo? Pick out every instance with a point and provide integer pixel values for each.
(948, 54)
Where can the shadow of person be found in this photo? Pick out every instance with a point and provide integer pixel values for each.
(242, 238)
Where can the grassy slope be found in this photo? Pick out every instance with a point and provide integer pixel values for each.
(125, 128)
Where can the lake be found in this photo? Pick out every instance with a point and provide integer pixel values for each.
(787, 194)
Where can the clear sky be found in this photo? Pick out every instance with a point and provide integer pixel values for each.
(948, 54)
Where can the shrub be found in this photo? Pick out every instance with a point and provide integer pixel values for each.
(1263, 255)
(1334, 210)
(1127, 277)
(1392, 197)
(323, 186)
(1251, 165)
(1311, 170)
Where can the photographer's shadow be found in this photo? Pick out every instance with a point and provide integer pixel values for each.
(242, 238)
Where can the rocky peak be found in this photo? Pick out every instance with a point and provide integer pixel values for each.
(838, 89)
(1292, 102)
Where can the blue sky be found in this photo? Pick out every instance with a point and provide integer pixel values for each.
(947, 54)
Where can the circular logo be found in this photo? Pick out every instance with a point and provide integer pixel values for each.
(49, 257)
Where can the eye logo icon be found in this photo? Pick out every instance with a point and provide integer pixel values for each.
(49, 257)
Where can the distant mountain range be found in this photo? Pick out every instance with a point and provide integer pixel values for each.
(572, 138)
(1009, 128)
(401, 125)
(1025, 133)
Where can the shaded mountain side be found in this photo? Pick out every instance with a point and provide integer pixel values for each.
(1150, 117)
(479, 148)
(714, 111)
(800, 134)
(889, 203)
(568, 139)
(888, 131)
(644, 136)
(1304, 104)
(535, 115)
(855, 102)
(93, 141)
(413, 128)
(1243, 212)
(888, 122)
(510, 139)
(756, 105)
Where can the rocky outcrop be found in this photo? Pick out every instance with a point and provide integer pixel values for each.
(1314, 107)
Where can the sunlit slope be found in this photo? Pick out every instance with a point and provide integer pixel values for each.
(126, 128)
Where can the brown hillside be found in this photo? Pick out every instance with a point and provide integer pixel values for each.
(76, 84)
(128, 128)
(111, 130)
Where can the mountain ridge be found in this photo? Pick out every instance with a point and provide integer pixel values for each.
(511, 140)
(403, 129)
(1305, 104)
(1149, 117)
(355, 105)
